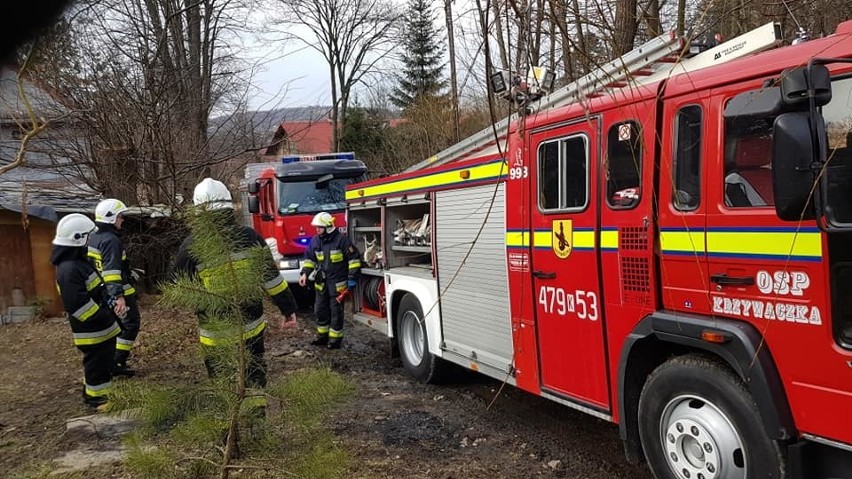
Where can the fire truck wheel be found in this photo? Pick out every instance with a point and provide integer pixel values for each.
(697, 420)
(413, 341)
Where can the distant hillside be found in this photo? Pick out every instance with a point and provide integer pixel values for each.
(268, 120)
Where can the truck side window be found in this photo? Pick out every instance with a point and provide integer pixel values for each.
(748, 151)
(624, 165)
(267, 202)
(563, 167)
(686, 167)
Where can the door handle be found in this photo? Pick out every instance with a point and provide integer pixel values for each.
(723, 279)
(544, 274)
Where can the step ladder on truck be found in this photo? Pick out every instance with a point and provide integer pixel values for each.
(660, 244)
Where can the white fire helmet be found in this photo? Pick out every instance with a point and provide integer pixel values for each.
(212, 195)
(323, 220)
(108, 210)
(73, 230)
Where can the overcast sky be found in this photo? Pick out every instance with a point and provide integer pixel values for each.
(290, 77)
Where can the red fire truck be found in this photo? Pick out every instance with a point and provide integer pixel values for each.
(284, 197)
(661, 245)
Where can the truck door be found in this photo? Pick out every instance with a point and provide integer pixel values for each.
(565, 262)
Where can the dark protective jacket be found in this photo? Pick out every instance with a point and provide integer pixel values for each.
(273, 282)
(83, 296)
(107, 254)
(336, 259)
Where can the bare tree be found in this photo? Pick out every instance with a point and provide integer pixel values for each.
(146, 77)
(352, 36)
(454, 81)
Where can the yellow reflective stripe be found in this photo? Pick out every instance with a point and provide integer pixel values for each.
(275, 285)
(518, 238)
(320, 255)
(309, 264)
(255, 331)
(354, 264)
(804, 244)
(585, 238)
(86, 311)
(112, 275)
(609, 239)
(128, 290)
(319, 286)
(253, 400)
(214, 338)
(542, 239)
(123, 344)
(322, 329)
(97, 337)
(682, 241)
(493, 170)
(332, 334)
(98, 389)
(340, 286)
(94, 253)
(92, 281)
(336, 255)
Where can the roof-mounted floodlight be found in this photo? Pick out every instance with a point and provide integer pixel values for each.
(499, 82)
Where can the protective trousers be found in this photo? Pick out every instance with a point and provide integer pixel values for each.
(129, 332)
(329, 313)
(256, 367)
(97, 370)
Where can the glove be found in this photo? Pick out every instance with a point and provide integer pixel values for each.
(351, 284)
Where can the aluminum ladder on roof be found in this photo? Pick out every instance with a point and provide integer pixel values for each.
(643, 65)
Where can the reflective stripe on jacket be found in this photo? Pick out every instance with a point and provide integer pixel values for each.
(107, 254)
(335, 256)
(83, 297)
(216, 277)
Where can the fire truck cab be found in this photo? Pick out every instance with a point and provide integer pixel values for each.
(285, 196)
(673, 256)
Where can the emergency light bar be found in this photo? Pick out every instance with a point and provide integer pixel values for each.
(318, 157)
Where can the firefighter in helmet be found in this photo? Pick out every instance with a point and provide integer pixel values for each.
(107, 254)
(334, 264)
(93, 326)
(212, 197)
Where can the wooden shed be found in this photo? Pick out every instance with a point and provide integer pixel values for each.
(25, 262)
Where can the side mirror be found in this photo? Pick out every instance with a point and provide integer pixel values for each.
(795, 84)
(792, 155)
(253, 188)
(253, 204)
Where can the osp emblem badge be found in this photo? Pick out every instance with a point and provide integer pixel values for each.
(563, 236)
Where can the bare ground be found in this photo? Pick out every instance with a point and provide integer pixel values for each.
(470, 427)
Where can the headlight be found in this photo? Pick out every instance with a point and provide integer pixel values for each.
(288, 264)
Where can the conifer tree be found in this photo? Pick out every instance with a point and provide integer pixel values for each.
(422, 76)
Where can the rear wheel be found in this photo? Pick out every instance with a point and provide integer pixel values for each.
(697, 420)
(413, 342)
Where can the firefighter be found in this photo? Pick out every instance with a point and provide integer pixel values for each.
(107, 254)
(93, 327)
(337, 264)
(212, 197)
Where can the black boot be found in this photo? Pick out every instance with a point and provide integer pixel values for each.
(335, 343)
(321, 340)
(121, 369)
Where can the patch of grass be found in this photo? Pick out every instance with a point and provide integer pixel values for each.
(148, 461)
(321, 458)
(310, 394)
(200, 429)
(40, 470)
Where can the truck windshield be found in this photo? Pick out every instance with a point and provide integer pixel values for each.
(305, 197)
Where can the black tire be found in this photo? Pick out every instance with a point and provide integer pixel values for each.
(413, 342)
(696, 415)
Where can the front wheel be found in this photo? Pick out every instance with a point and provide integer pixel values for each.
(697, 420)
(413, 342)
